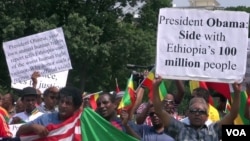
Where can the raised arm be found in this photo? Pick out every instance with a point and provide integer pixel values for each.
(141, 116)
(161, 113)
(247, 107)
(34, 77)
(180, 91)
(129, 130)
(138, 101)
(230, 117)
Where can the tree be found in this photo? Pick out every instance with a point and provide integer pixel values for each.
(100, 39)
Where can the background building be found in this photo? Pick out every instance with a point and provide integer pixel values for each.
(203, 3)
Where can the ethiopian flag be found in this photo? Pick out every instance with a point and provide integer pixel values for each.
(148, 81)
(129, 95)
(162, 90)
(92, 100)
(240, 119)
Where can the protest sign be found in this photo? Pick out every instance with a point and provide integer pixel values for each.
(203, 45)
(14, 127)
(247, 75)
(45, 52)
(58, 80)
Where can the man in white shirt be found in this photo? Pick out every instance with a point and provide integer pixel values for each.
(29, 99)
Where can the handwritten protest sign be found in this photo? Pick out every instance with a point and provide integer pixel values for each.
(14, 127)
(58, 80)
(45, 52)
(202, 45)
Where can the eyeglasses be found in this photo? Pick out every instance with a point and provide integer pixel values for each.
(168, 101)
(151, 114)
(198, 111)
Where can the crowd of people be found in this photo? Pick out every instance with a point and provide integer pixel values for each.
(152, 120)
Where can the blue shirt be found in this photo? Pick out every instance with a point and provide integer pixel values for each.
(148, 133)
(46, 119)
(117, 122)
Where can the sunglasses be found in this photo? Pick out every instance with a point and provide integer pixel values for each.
(168, 101)
(151, 114)
(198, 111)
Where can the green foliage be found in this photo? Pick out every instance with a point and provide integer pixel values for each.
(101, 39)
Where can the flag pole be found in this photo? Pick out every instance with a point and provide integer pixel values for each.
(93, 94)
(117, 86)
(144, 80)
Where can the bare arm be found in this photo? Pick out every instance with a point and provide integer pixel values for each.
(129, 130)
(230, 117)
(180, 93)
(32, 128)
(34, 77)
(162, 114)
(138, 101)
(140, 117)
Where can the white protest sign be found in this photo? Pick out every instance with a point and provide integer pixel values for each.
(202, 45)
(247, 75)
(14, 127)
(45, 52)
(58, 80)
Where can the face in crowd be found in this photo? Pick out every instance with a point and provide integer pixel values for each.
(29, 103)
(86, 102)
(168, 104)
(50, 97)
(198, 112)
(154, 118)
(106, 106)
(7, 100)
(19, 106)
(70, 100)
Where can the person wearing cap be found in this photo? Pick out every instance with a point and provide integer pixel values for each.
(29, 99)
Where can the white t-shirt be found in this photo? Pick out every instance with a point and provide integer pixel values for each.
(27, 118)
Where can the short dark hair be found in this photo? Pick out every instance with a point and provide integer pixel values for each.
(201, 92)
(74, 92)
(112, 97)
(47, 91)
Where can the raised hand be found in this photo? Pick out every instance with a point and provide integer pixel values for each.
(237, 87)
(34, 77)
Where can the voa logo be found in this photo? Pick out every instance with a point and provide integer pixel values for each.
(236, 132)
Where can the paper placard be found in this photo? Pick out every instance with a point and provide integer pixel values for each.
(203, 45)
(45, 52)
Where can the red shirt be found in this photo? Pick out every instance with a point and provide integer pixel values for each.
(4, 128)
